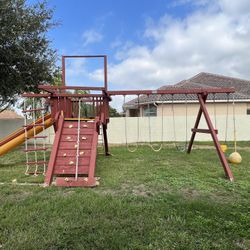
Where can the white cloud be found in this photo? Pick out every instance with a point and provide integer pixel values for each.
(235, 8)
(213, 39)
(91, 36)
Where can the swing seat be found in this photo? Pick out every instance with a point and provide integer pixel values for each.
(223, 147)
(235, 158)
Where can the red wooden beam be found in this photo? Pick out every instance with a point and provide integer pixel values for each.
(53, 156)
(63, 70)
(204, 131)
(84, 56)
(203, 109)
(35, 95)
(46, 87)
(76, 95)
(172, 91)
(91, 174)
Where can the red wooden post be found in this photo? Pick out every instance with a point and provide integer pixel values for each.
(221, 155)
(52, 160)
(63, 70)
(91, 173)
(105, 73)
(196, 126)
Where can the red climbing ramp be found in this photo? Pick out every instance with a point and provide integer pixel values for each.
(69, 165)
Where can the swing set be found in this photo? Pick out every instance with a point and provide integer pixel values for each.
(73, 157)
(233, 157)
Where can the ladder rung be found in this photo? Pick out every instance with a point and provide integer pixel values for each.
(81, 119)
(36, 162)
(34, 173)
(31, 110)
(35, 149)
(34, 125)
(36, 137)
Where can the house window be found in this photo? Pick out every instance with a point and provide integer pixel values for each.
(134, 112)
(150, 111)
(248, 111)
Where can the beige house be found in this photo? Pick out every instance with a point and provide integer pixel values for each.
(180, 105)
(9, 122)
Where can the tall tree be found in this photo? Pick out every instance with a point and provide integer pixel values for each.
(26, 58)
(113, 112)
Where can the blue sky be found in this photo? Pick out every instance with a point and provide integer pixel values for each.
(153, 43)
(117, 21)
(102, 27)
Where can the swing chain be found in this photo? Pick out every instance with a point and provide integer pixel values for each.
(34, 133)
(126, 133)
(215, 120)
(234, 124)
(226, 129)
(149, 127)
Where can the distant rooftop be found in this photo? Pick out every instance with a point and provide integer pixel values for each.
(9, 114)
(201, 80)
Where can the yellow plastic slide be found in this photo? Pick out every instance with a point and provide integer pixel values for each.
(18, 137)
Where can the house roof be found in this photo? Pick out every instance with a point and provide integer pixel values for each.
(9, 114)
(201, 80)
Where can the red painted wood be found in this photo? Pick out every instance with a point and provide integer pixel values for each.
(45, 87)
(61, 161)
(71, 182)
(76, 95)
(73, 131)
(53, 155)
(172, 91)
(204, 131)
(73, 138)
(91, 174)
(65, 103)
(197, 122)
(62, 164)
(71, 145)
(35, 95)
(70, 152)
(221, 155)
(63, 71)
(74, 124)
(69, 170)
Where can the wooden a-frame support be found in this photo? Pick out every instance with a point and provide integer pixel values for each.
(203, 110)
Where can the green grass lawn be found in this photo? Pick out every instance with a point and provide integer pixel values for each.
(146, 200)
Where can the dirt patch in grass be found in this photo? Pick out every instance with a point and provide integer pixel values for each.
(142, 190)
(187, 192)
